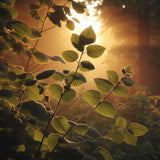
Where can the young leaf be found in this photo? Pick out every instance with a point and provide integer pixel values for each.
(58, 76)
(129, 138)
(21, 28)
(92, 97)
(106, 109)
(75, 42)
(70, 25)
(112, 76)
(86, 66)
(60, 124)
(95, 51)
(80, 129)
(120, 91)
(53, 140)
(57, 58)
(70, 56)
(103, 85)
(128, 81)
(78, 79)
(56, 90)
(87, 36)
(138, 129)
(35, 110)
(68, 96)
(40, 57)
(118, 137)
(121, 122)
(45, 74)
(106, 155)
(35, 34)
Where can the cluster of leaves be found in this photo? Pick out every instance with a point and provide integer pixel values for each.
(31, 130)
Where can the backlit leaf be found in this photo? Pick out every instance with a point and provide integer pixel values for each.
(118, 137)
(86, 66)
(120, 91)
(128, 69)
(70, 25)
(87, 36)
(78, 79)
(53, 140)
(138, 129)
(106, 109)
(40, 57)
(129, 138)
(14, 13)
(106, 155)
(69, 95)
(21, 28)
(112, 76)
(80, 129)
(56, 90)
(95, 51)
(38, 135)
(121, 122)
(70, 56)
(60, 124)
(92, 97)
(20, 148)
(128, 81)
(58, 76)
(35, 110)
(103, 85)
(45, 74)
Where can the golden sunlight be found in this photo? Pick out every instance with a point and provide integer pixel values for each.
(90, 18)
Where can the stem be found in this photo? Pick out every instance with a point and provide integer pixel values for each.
(48, 28)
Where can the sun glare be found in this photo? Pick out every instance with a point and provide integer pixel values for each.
(90, 18)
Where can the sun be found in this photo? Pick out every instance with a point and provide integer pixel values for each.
(90, 18)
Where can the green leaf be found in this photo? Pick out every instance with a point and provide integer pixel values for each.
(80, 129)
(78, 79)
(34, 34)
(35, 110)
(87, 36)
(128, 69)
(138, 129)
(70, 25)
(45, 74)
(21, 28)
(20, 148)
(120, 91)
(129, 138)
(112, 76)
(103, 85)
(121, 122)
(106, 155)
(75, 42)
(5, 104)
(40, 57)
(86, 66)
(117, 137)
(78, 7)
(70, 56)
(128, 81)
(60, 124)
(106, 109)
(32, 93)
(53, 140)
(95, 51)
(58, 76)
(29, 82)
(68, 96)
(57, 58)
(92, 97)
(56, 90)
(5, 93)
(14, 13)
(5, 13)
